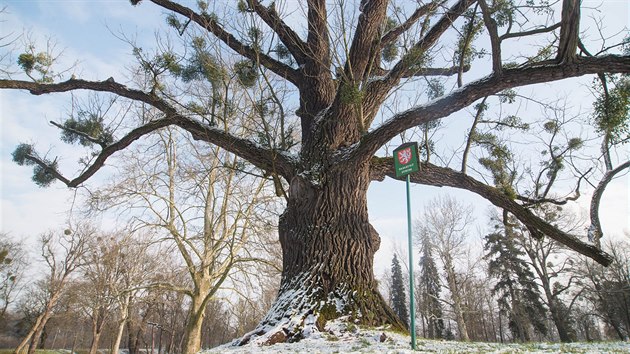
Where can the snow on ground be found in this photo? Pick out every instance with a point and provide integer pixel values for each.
(342, 338)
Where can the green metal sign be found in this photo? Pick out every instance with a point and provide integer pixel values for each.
(406, 159)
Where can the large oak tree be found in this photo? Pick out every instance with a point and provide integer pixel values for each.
(343, 60)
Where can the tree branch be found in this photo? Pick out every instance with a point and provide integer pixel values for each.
(266, 159)
(377, 90)
(429, 39)
(371, 17)
(289, 38)
(409, 73)
(471, 134)
(88, 137)
(531, 32)
(595, 230)
(444, 177)
(489, 85)
(570, 30)
(396, 32)
(318, 41)
(211, 25)
(495, 42)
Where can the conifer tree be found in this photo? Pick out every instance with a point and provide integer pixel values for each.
(516, 289)
(398, 298)
(430, 306)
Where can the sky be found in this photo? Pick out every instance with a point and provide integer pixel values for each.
(89, 32)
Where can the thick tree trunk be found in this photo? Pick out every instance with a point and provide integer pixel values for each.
(192, 334)
(328, 249)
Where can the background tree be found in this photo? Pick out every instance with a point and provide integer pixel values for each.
(553, 270)
(430, 287)
(516, 288)
(30, 308)
(476, 294)
(444, 223)
(209, 207)
(608, 290)
(13, 261)
(398, 297)
(137, 265)
(62, 253)
(344, 73)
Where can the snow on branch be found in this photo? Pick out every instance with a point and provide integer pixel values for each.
(489, 85)
(432, 175)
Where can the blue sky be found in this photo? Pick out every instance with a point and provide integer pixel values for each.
(86, 31)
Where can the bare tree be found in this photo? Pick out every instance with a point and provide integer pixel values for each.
(608, 289)
(445, 223)
(13, 261)
(63, 254)
(137, 265)
(554, 271)
(201, 201)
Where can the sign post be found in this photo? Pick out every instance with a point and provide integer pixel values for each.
(406, 161)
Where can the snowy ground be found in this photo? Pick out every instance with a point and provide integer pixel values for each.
(355, 340)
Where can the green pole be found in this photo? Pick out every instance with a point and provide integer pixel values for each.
(412, 307)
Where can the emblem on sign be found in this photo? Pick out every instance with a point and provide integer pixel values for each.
(404, 156)
(406, 159)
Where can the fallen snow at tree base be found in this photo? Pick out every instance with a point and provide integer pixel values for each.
(355, 340)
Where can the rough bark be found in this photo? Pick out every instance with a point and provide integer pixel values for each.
(569, 30)
(328, 247)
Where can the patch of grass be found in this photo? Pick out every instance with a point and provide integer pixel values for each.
(329, 337)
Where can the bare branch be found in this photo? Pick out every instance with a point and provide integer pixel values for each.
(289, 38)
(489, 85)
(261, 157)
(444, 177)
(542, 200)
(471, 134)
(211, 25)
(495, 42)
(396, 32)
(409, 73)
(529, 33)
(595, 230)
